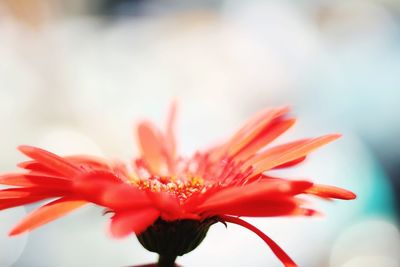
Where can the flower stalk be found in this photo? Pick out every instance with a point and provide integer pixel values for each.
(166, 260)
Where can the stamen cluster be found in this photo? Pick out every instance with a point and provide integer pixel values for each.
(181, 188)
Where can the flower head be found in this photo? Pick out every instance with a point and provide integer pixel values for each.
(170, 201)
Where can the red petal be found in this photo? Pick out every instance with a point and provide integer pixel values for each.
(51, 161)
(13, 193)
(34, 166)
(253, 128)
(47, 213)
(282, 256)
(31, 179)
(124, 196)
(124, 223)
(170, 134)
(266, 208)
(260, 208)
(327, 191)
(253, 192)
(166, 203)
(290, 163)
(15, 202)
(151, 146)
(89, 161)
(287, 152)
(93, 185)
(270, 132)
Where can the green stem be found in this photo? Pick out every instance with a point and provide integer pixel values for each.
(166, 261)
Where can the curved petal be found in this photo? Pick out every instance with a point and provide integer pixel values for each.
(47, 213)
(261, 208)
(93, 162)
(31, 179)
(254, 192)
(291, 163)
(166, 203)
(328, 191)
(278, 251)
(270, 132)
(124, 223)
(254, 126)
(151, 147)
(34, 166)
(13, 193)
(124, 196)
(281, 154)
(93, 185)
(15, 202)
(170, 140)
(51, 161)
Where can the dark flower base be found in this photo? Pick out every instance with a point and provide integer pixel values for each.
(153, 265)
(176, 238)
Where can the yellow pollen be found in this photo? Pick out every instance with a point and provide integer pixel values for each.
(133, 179)
(182, 188)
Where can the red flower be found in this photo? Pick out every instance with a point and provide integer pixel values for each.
(162, 191)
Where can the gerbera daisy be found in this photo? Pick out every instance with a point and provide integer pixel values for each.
(170, 201)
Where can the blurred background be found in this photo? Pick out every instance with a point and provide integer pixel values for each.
(75, 77)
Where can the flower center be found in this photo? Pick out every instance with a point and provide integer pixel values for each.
(182, 188)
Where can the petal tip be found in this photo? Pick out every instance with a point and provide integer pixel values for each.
(15, 231)
(286, 108)
(344, 194)
(25, 148)
(335, 136)
(351, 196)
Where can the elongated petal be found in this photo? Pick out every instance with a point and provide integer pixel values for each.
(266, 208)
(282, 256)
(288, 152)
(166, 203)
(261, 208)
(51, 161)
(266, 136)
(10, 193)
(170, 140)
(327, 191)
(15, 202)
(124, 196)
(93, 162)
(29, 179)
(324, 191)
(246, 133)
(290, 163)
(253, 192)
(124, 223)
(14, 193)
(264, 116)
(34, 166)
(151, 146)
(252, 129)
(47, 213)
(92, 186)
